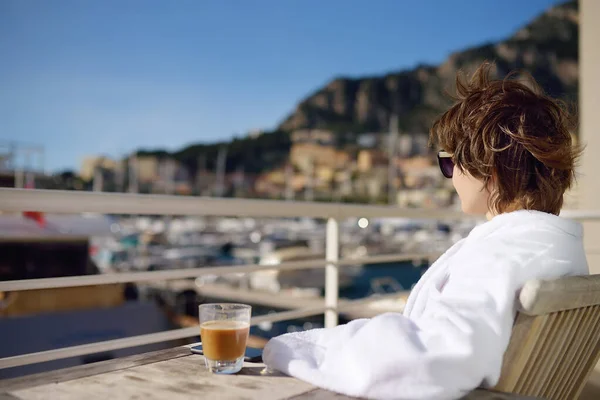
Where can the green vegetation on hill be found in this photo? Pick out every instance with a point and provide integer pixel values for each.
(253, 154)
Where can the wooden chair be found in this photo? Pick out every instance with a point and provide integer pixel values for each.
(555, 341)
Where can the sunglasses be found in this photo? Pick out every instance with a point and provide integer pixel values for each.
(446, 163)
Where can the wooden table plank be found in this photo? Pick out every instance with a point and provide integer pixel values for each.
(80, 371)
(179, 378)
(173, 374)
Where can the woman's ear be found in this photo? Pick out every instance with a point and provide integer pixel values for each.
(491, 184)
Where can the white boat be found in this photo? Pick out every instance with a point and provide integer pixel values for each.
(275, 280)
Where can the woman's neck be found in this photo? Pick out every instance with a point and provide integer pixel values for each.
(492, 213)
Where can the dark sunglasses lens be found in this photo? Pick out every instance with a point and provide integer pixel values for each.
(447, 166)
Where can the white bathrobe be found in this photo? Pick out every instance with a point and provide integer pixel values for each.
(457, 322)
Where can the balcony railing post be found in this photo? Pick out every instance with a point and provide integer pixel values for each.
(332, 256)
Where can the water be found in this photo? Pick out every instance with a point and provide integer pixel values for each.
(404, 273)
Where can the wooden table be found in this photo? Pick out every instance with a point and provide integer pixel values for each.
(171, 374)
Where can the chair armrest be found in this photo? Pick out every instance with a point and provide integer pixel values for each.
(539, 297)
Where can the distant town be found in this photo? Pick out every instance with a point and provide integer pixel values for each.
(382, 168)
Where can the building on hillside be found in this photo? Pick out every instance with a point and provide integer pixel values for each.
(324, 174)
(368, 159)
(306, 156)
(147, 169)
(418, 172)
(343, 182)
(91, 163)
(426, 198)
(371, 184)
(160, 175)
(270, 184)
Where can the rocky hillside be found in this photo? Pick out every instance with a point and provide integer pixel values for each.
(547, 47)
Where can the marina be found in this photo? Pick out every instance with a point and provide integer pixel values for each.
(230, 265)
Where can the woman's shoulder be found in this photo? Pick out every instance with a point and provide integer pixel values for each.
(534, 246)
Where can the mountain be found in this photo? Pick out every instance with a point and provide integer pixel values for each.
(547, 48)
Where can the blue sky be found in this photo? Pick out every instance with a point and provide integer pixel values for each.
(84, 77)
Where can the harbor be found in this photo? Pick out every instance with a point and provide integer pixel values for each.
(284, 275)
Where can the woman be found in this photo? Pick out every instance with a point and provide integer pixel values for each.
(508, 151)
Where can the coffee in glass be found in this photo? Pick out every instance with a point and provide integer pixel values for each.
(224, 330)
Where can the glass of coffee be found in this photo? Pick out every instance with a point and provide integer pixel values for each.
(224, 330)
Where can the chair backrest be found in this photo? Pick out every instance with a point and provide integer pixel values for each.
(555, 340)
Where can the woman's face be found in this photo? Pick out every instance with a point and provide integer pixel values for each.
(474, 197)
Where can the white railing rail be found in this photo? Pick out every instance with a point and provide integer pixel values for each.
(18, 200)
(149, 276)
(72, 202)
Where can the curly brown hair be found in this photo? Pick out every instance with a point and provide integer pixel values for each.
(512, 135)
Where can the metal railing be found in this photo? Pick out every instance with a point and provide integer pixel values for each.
(18, 200)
